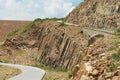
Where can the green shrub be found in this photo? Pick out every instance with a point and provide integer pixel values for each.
(70, 74)
(62, 24)
(116, 56)
(117, 31)
(113, 67)
(112, 48)
(38, 19)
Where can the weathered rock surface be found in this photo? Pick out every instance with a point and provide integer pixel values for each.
(57, 46)
(61, 46)
(103, 14)
(67, 46)
(98, 61)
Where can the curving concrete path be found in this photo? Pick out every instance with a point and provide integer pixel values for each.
(28, 72)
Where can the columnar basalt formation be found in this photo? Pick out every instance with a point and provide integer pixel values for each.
(60, 48)
(57, 46)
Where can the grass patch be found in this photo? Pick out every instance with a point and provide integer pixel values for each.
(114, 67)
(62, 24)
(70, 73)
(116, 58)
(112, 48)
(117, 32)
(39, 65)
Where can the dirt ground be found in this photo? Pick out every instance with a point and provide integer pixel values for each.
(7, 72)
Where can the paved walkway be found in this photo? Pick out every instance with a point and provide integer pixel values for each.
(28, 72)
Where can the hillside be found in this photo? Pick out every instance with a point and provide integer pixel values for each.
(86, 43)
(48, 43)
(96, 13)
(7, 26)
(100, 61)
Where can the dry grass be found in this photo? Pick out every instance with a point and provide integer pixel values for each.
(54, 75)
(7, 72)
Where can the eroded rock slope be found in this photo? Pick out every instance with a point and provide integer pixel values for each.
(96, 13)
(55, 45)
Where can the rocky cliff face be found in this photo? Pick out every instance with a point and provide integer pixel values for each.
(61, 47)
(57, 46)
(97, 62)
(96, 13)
(65, 47)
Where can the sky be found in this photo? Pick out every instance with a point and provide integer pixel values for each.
(32, 9)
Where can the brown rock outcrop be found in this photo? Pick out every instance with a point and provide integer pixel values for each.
(98, 57)
(57, 46)
(67, 46)
(103, 14)
(60, 47)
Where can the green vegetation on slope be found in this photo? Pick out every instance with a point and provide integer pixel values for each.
(13, 33)
(25, 29)
(53, 19)
(39, 65)
(28, 27)
(117, 31)
(62, 24)
(116, 58)
(54, 73)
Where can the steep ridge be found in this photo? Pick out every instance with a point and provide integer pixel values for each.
(103, 14)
